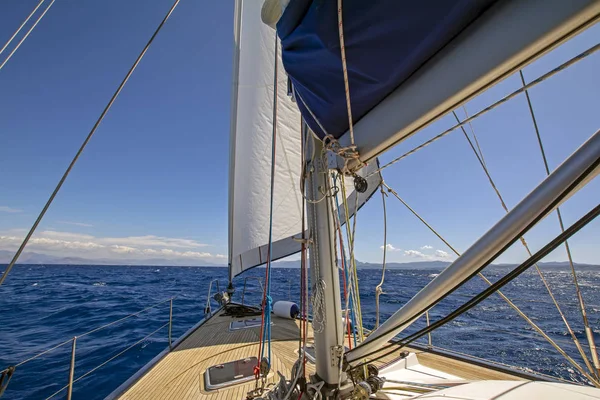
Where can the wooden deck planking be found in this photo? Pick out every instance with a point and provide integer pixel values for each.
(180, 374)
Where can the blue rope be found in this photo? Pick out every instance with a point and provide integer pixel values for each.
(346, 272)
(267, 331)
(269, 301)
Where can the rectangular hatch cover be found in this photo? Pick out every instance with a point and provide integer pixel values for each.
(230, 373)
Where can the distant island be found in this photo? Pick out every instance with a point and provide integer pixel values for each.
(31, 258)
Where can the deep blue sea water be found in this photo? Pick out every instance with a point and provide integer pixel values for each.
(41, 306)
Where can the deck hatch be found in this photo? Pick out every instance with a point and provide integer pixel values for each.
(230, 373)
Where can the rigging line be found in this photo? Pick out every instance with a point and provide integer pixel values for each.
(354, 276)
(86, 141)
(35, 356)
(564, 194)
(484, 278)
(338, 230)
(544, 251)
(302, 261)
(109, 360)
(349, 296)
(378, 290)
(523, 335)
(503, 100)
(331, 223)
(21, 27)
(345, 71)
(266, 304)
(26, 35)
(474, 135)
(588, 331)
(344, 320)
(526, 246)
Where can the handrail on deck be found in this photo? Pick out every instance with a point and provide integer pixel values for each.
(73, 341)
(262, 289)
(207, 309)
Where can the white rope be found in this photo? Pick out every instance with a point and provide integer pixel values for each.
(330, 143)
(345, 71)
(378, 290)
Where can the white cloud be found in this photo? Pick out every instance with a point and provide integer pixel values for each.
(390, 247)
(415, 254)
(76, 224)
(442, 254)
(9, 209)
(69, 244)
(426, 247)
(438, 255)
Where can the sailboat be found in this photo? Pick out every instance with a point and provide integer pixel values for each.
(320, 89)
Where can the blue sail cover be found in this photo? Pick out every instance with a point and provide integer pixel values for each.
(386, 42)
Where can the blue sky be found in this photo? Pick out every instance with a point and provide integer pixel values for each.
(154, 176)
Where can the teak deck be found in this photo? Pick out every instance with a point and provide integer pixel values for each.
(180, 374)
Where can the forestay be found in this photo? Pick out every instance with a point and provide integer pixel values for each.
(250, 150)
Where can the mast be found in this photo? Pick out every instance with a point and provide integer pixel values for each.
(324, 274)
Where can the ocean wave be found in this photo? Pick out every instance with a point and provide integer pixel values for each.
(52, 304)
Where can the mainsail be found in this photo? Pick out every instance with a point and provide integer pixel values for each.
(410, 63)
(250, 150)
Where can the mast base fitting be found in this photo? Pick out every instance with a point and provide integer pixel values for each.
(230, 290)
(369, 385)
(358, 374)
(364, 389)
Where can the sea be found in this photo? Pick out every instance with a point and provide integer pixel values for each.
(43, 306)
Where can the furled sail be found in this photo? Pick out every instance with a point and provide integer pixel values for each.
(411, 62)
(250, 150)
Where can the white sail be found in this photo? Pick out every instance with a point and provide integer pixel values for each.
(250, 150)
(251, 135)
